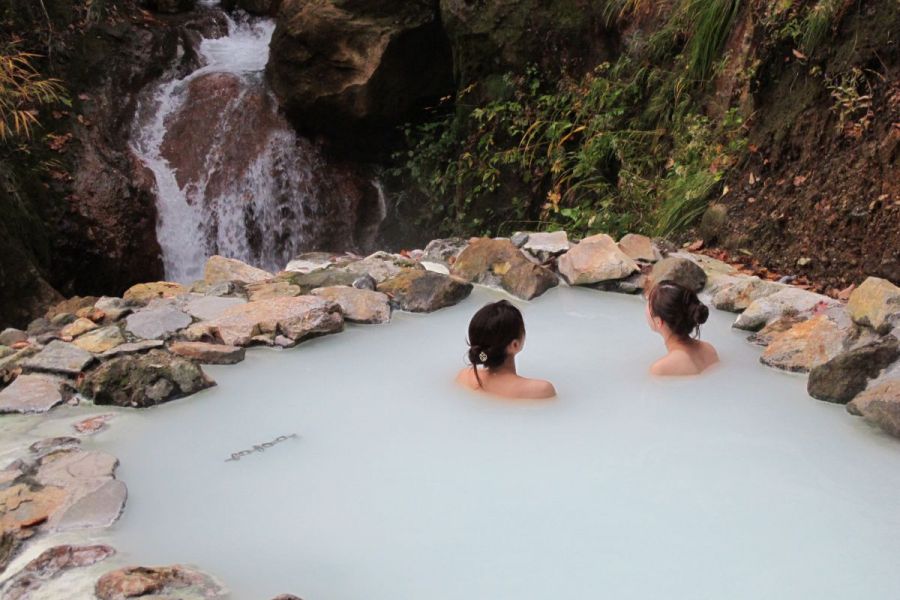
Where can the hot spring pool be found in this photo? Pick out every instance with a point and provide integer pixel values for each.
(400, 486)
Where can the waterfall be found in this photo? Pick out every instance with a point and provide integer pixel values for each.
(232, 176)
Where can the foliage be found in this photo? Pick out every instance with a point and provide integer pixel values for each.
(23, 90)
(625, 147)
(818, 22)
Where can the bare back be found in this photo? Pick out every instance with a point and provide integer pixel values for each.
(506, 385)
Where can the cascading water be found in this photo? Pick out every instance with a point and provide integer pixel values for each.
(232, 176)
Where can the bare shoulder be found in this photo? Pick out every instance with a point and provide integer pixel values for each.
(677, 362)
(466, 378)
(537, 389)
(710, 356)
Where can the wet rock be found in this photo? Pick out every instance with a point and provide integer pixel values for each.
(272, 289)
(498, 263)
(141, 380)
(70, 306)
(424, 291)
(680, 270)
(53, 444)
(98, 508)
(11, 366)
(445, 251)
(9, 545)
(639, 247)
(545, 245)
(787, 301)
(358, 305)
(157, 321)
(10, 336)
(807, 344)
(296, 318)
(353, 70)
(735, 294)
(846, 375)
(880, 405)
(114, 308)
(132, 348)
(219, 269)
(101, 340)
(22, 507)
(50, 564)
(60, 357)
(174, 581)
(311, 261)
(210, 307)
(92, 425)
(633, 284)
(145, 292)
(332, 276)
(212, 354)
(876, 304)
(366, 282)
(33, 394)
(595, 259)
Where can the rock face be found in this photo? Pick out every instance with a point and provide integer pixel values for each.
(220, 269)
(142, 380)
(50, 564)
(876, 304)
(157, 582)
(32, 394)
(358, 305)
(60, 357)
(846, 375)
(806, 345)
(213, 354)
(499, 263)
(787, 301)
(157, 321)
(595, 259)
(680, 270)
(343, 68)
(880, 405)
(425, 291)
(295, 318)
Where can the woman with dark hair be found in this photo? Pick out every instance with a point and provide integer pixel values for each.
(496, 335)
(676, 313)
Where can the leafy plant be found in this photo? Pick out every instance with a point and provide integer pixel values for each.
(23, 90)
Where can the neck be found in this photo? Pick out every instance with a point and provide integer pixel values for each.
(672, 342)
(508, 366)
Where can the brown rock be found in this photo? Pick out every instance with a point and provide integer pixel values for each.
(595, 259)
(21, 507)
(295, 318)
(219, 269)
(70, 306)
(33, 394)
(499, 263)
(174, 581)
(77, 327)
(59, 357)
(639, 247)
(764, 336)
(680, 270)
(425, 291)
(92, 425)
(806, 345)
(145, 292)
(876, 304)
(52, 563)
(266, 290)
(847, 374)
(358, 306)
(880, 405)
(212, 354)
(101, 340)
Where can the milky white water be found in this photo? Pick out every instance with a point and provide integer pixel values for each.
(735, 485)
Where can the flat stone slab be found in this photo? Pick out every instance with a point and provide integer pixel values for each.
(220, 268)
(133, 348)
(212, 354)
(60, 357)
(32, 394)
(100, 340)
(547, 243)
(358, 306)
(100, 508)
(210, 307)
(157, 321)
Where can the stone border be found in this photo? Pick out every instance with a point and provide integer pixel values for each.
(148, 347)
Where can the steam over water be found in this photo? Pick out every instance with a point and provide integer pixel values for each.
(232, 176)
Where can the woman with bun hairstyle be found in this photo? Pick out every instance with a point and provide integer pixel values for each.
(496, 335)
(676, 313)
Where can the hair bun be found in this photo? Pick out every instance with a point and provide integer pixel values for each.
(699, 313)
